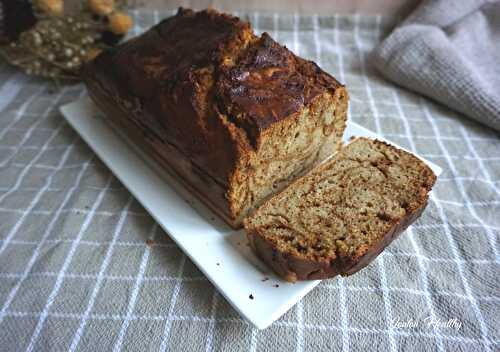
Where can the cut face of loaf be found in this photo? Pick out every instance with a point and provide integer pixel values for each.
(234, 115)
(343, 214)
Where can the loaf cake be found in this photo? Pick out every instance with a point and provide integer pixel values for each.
(234, 115)
(339, 217)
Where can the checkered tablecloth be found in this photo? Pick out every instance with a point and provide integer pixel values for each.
(84, 267)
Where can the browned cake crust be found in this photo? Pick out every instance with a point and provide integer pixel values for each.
(233, 115)
(269, 84)
(350, 228)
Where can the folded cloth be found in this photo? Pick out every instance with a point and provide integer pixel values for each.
(449, 51)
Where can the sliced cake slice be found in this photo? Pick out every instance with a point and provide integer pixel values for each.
(339, 217)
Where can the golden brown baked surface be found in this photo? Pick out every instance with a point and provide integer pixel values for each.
(340, 216)
(234, 115)
(268, 84)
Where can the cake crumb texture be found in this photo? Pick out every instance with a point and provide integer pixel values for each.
(344, 209)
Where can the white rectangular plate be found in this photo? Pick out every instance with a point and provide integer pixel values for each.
(219, 252)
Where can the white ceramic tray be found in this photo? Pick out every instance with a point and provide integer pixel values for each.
(219, 252)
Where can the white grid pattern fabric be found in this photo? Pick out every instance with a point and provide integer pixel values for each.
(84, 267)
